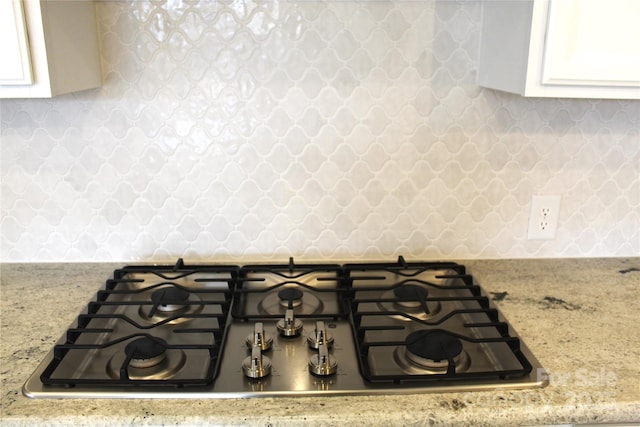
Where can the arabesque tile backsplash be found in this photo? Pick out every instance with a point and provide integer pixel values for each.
(312, 129)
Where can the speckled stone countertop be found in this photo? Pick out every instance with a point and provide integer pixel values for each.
(580, 317)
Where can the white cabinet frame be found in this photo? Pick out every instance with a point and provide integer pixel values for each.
(15, 67)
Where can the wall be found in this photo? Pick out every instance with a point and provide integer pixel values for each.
(309, 129)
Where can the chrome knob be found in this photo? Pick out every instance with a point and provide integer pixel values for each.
(256, 365)
(320, 337)
(322, 364)
(259, 338)
(289, 326)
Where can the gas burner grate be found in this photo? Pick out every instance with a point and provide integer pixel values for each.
(386, 323)
(180, 309)
(311, 290)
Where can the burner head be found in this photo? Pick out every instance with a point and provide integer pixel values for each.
(276, 303)
(171, 305)
(409, 301)
(429, 352)
(410, 295)
(290, 297)
(146, 352)
(149, 358)
(170, 299)
(433, 345)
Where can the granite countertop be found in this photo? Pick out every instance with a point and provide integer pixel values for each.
(579, 317)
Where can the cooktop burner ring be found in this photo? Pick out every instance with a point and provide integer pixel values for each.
(170, 299)
(412, 366)
(290, 296)
(272, 303)
(433, 344)
(146, 352)
(409, 299)
(429, 351)
(151, 360)
(178, 303)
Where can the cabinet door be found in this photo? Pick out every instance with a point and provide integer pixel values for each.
(15, 67)
(592, 43)
(561, 48)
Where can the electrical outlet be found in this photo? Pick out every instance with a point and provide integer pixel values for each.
(543, 217)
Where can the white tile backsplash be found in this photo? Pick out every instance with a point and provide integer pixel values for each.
(319, 130)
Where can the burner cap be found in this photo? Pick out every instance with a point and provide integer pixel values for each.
(411, 292)
(433, 345)
(146, 352)
(409, 301)
(411, 296)
(290, 294)
(290, 297)
(170, 299)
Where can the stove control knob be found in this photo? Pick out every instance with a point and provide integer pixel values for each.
(320, 337)
(322, 364)
(259, 338)
(289, 326)
(256, 365)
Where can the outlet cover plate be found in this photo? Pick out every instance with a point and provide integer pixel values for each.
(543, 217)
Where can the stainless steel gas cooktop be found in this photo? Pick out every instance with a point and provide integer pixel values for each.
(215, 331)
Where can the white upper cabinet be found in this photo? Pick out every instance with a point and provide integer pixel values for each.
(562, 48)
(48, 47)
